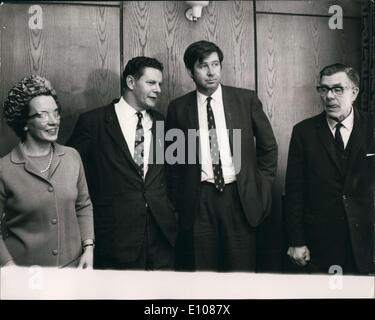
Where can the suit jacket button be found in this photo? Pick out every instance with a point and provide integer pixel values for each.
(54, 221)
(50, 189)
(55, 252)
(344, 196)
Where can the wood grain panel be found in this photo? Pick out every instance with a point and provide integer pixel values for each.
(98, 3)
(351, 8)
(77, 50)
(167, 34)
(237, 41)
(15, 60)
(291, 52)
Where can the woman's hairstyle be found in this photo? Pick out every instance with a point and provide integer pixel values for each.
(16, 106)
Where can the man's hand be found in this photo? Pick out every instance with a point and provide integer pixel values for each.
(299, 255)
(87, 259)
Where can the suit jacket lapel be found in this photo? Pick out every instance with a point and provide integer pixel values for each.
(191, 113)
(356, 141)
(114, 130)
(232, 119)
(156, 148)
(326, 138)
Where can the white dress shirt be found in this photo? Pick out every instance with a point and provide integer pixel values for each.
(346, 129)
(128, 120)
(222, 136)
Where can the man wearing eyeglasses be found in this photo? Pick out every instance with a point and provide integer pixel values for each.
(329, 181)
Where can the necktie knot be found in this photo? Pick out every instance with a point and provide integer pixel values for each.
(339, 125)
(209, 102)
(139, 115)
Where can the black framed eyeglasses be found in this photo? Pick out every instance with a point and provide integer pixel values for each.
(45, 115)
(336, 90)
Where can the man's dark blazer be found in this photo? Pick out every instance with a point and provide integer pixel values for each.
(258, 156)
(118, 193)
(326, 204)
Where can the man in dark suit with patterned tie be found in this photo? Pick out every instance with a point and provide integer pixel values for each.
(135, 223)
(330, 181)
(222, 188)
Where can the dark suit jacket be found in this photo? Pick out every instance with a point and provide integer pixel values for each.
(118, 192)
(256, 165)
(325, 206)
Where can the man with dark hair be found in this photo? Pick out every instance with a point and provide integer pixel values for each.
(135, 224)
(330, 181)
(225, 193)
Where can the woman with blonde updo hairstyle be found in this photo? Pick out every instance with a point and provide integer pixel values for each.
(44, 202)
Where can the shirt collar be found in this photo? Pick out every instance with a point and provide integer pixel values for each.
(216, 96)
(347, 123)
(126, 110)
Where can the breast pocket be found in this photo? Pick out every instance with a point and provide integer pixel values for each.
(370, 158)
(370, 166)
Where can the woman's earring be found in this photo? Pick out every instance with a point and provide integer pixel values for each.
(25, 128)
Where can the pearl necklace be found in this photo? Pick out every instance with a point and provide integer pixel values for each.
(49, 162)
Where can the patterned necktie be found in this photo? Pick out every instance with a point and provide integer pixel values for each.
(139, 145)
(214, 149)
(338, 137)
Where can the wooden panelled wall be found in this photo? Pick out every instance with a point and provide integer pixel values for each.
(78, 50)
(160, 29)
(274, 47)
